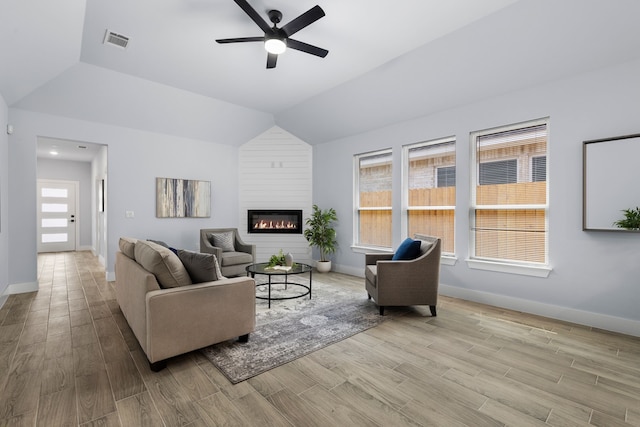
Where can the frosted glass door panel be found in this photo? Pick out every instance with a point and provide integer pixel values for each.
(54, 222)
(55, 238)
(55, 192)
(55, 207)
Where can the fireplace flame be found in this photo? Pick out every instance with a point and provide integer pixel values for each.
(273, 225)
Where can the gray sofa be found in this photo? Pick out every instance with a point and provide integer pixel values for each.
(170, 315)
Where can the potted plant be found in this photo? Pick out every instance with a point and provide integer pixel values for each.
(280, 260)
(631, 219)
(322, 235)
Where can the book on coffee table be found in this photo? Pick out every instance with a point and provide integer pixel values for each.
(279, 267)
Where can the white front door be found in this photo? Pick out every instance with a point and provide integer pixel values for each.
(56, 215)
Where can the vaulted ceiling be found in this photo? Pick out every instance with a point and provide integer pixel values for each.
(387, 61)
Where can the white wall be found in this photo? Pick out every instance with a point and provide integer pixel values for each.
(135, 159)
(22, 206)
(67, 170)
(595, 277)
(4, 201)
(275, 173)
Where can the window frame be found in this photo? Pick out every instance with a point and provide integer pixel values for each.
(446, 257)
(505, 265)
(356, 243)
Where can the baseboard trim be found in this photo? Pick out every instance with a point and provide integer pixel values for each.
(21, 288)
(352, 271)
(111, 276)
(581, 317)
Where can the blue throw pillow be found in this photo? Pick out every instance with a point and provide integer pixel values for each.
(409, 249)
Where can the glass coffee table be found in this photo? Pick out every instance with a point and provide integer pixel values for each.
(297, 269)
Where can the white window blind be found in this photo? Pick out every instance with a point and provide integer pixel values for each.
(510, 198)
(430, 190)
(373, 183)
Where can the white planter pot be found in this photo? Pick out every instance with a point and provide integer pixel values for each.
(323, 266)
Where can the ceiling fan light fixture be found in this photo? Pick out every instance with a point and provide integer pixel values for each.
(275, 45)
(276, 40)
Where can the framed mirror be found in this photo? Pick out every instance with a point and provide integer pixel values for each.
(611, 178)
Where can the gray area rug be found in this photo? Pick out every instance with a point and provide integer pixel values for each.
(295, 328)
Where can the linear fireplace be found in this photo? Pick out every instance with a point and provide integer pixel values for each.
(274, 221)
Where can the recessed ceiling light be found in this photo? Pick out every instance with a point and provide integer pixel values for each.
(53, 152)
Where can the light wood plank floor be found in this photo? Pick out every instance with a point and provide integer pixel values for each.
(67, 358)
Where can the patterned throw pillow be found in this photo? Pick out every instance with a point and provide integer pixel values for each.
(224, 241)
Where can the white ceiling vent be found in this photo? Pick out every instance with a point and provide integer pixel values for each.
(116, 39)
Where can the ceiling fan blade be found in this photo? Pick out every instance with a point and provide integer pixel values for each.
(241, 40)
(254, 16)
(307, 18)
(307, 48)
(272, 58)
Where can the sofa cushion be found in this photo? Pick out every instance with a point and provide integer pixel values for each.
(409, 249)
(201, 267)
(235, 258)
(127, 246)
(162, 263)
(425, 245)
(223, 240)
(159, 242)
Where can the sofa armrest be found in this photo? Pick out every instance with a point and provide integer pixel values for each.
(207, 248)
(373, 258)
(133, 283)
(248, 248)
(187, 318)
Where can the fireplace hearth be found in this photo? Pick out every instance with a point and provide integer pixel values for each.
(274, 221)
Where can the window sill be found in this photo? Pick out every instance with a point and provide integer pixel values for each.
(502, 267)
(448, 260)
(371, 249)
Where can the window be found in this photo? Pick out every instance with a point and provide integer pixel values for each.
(539, 169)
(373, 199)
(509, 201)
(430, 190)
(446, 177)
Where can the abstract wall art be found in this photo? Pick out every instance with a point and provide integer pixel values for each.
(182, 198)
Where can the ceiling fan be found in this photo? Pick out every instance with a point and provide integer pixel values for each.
(276, 40)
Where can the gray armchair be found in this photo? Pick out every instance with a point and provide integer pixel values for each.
(404, 283)
(233, 254)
